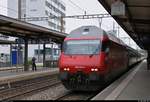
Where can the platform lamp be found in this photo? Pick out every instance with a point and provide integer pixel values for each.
(118, 8)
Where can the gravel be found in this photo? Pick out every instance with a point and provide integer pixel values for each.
(49, 94)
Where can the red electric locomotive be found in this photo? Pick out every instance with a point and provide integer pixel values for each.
(90, 57)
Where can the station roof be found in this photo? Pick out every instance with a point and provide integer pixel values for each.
(136, 22)
(16, 28)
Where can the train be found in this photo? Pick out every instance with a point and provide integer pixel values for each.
(91, 57)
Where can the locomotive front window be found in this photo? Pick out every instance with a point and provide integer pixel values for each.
(82, 47)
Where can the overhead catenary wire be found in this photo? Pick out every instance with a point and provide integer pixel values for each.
(29, 18)
(85, 13)
(75, 16)
(89, 16)
(16, 12)
(78, 6)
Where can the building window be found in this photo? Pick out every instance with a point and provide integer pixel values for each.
(54, 8)
(33, 0)
(46, 12)
(33, 10)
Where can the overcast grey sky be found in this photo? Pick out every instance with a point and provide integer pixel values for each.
(91, 6)
(3, 9)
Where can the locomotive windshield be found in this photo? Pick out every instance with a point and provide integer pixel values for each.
(82, 47)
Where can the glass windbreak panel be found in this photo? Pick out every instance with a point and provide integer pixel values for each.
(82, 47)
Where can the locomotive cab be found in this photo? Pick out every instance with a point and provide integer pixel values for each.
(83, 60)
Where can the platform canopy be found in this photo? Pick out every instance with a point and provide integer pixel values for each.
(16, 28)
(136, 21)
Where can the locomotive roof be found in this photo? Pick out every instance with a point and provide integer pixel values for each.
(95, 32)
(86, 31)
(92, 31)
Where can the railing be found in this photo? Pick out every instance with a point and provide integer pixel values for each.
(51, 63)
(5, 64)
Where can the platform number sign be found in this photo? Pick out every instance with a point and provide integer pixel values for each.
(118, 8)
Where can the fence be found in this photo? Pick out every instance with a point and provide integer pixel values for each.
(51, 63)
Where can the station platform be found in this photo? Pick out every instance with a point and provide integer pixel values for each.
(13, 76)
(134, 85)
(17, 71)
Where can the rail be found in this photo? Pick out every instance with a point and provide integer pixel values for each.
(20, 88)
(10, 68)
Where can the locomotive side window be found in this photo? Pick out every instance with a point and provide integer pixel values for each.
(82, 47)
(105, 46)
(64, 46)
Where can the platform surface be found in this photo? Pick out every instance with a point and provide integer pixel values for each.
(134, 85)
(4, 74)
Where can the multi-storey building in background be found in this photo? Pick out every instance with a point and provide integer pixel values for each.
(33, 10)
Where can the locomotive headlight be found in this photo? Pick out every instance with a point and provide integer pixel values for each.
(96, 69)
(92, 69)
(66, 69)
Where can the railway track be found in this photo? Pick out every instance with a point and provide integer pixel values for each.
(77, 95)
(20, 89)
